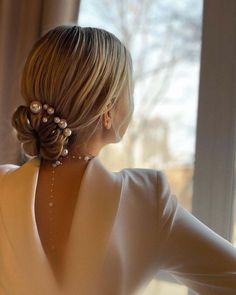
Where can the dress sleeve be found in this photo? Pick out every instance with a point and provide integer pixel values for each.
(194, 254)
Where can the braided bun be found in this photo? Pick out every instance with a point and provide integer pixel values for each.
(44, 139)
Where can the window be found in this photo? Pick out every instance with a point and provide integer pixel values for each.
(164, 38)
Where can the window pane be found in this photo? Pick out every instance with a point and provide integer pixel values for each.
(164, 38)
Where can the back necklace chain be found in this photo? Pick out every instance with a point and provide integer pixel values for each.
(51, 201)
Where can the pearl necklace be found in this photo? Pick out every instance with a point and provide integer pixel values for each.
(51, 197)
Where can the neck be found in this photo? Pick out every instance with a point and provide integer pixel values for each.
(84, 148)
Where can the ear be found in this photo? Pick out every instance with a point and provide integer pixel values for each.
(106, 118)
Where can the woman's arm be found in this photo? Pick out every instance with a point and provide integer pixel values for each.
(193, 253)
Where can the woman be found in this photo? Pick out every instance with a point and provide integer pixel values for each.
(70, 226)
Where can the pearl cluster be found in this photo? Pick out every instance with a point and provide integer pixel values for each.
(36, 107)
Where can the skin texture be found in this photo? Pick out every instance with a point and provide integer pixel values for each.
(71, 173)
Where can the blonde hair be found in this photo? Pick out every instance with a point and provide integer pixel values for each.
(77, 70)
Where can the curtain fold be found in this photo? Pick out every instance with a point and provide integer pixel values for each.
(22, 22)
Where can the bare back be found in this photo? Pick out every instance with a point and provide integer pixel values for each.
(54, 226)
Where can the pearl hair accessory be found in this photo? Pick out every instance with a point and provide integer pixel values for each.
(36, 107)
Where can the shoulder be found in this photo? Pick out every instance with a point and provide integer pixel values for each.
(6, 168)
(145, 176)
(139, 176)
(151, 183)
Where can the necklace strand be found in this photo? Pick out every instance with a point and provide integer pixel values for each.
(52, 197)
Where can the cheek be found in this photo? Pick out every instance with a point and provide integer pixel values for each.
(123, 115)
(126, 120)
(127, 109)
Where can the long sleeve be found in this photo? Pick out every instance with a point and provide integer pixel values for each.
(193, 253)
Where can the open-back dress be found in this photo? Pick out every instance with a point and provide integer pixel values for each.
(126, 227)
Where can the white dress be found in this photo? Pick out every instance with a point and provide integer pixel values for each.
(127, 226)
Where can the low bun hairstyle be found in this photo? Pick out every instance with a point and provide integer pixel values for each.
(78, 71)
(44, 139)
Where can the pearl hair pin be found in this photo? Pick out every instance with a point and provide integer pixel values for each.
(36, 107)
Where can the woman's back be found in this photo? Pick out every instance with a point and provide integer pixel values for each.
(85, 237)
(54, 211)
